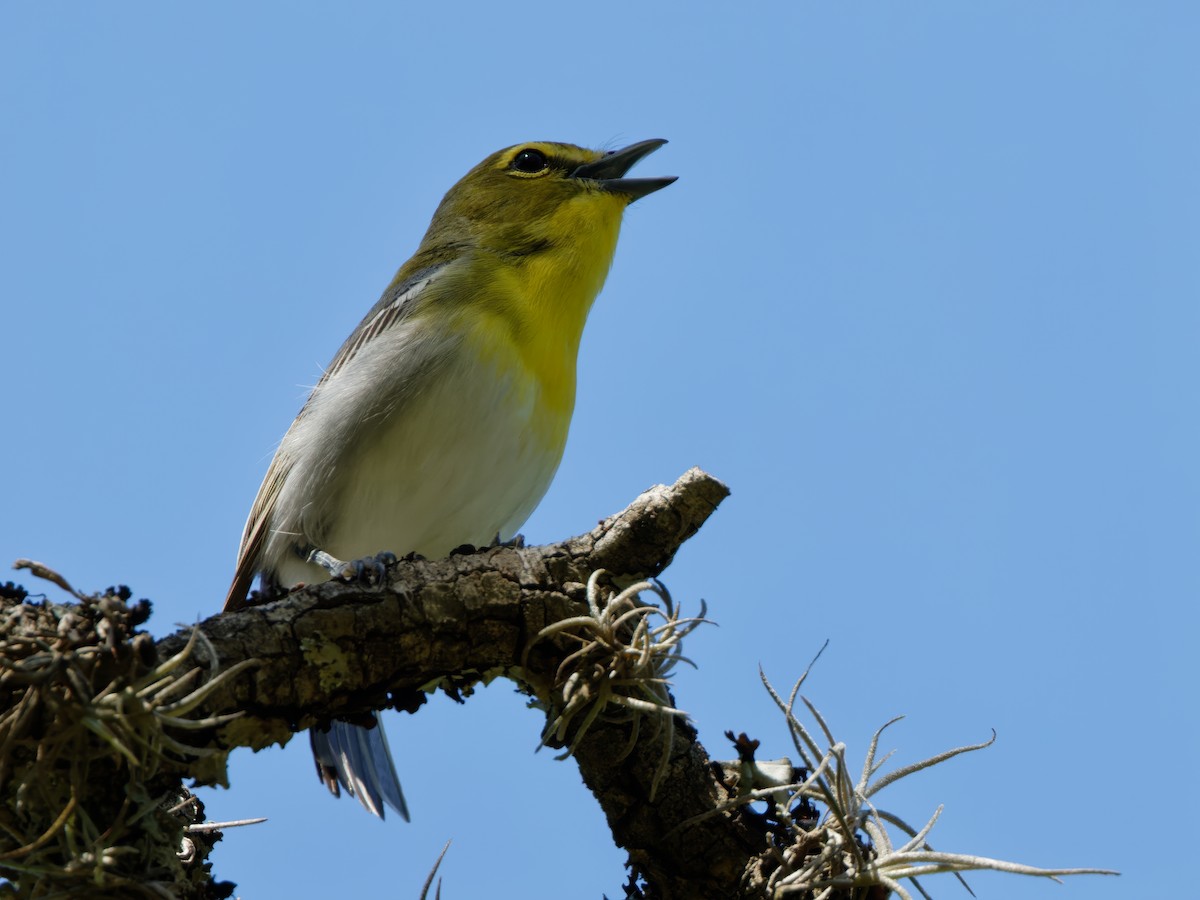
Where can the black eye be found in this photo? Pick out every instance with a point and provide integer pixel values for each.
(530, 161)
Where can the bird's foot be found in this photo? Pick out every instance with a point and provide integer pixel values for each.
(370, 571)
(516, 542)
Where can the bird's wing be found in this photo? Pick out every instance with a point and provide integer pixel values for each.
(255, 533)
(397, 302)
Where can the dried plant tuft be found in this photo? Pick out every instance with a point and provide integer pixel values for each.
(621, 670)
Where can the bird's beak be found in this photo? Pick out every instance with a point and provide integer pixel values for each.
(607, 171)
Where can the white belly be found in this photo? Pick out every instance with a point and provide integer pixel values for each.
(459, 462)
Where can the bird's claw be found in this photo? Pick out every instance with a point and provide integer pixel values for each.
(516, 542)
(370, 571)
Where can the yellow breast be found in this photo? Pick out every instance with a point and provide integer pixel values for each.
(528, 315)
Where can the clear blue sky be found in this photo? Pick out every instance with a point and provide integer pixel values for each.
(925, 295)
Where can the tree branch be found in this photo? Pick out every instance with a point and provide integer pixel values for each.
(339, 649)
(98, 723)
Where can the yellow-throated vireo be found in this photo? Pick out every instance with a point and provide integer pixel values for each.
(443, 417)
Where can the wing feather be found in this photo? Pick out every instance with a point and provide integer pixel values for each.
(396, 304)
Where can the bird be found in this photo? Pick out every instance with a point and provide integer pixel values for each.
(443, 417)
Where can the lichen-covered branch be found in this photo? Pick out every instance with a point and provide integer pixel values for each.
(98, 723)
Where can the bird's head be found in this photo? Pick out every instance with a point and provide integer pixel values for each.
(540, 196)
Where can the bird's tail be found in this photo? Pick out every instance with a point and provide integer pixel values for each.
(358, 760)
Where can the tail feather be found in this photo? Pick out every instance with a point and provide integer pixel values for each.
(359, 760)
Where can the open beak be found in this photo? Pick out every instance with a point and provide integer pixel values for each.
(607, 171)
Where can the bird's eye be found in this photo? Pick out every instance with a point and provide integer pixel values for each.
(530, 162)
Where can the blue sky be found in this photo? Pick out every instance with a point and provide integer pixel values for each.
(925, 296)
